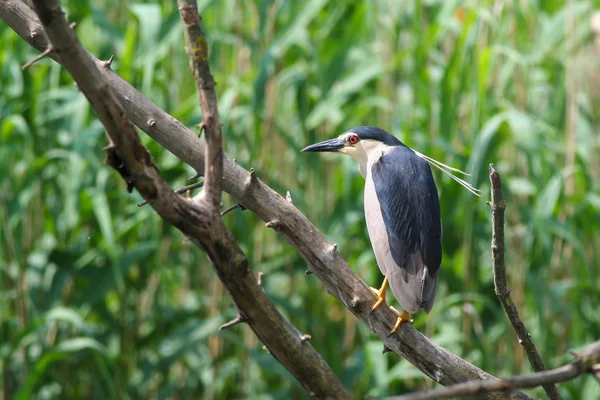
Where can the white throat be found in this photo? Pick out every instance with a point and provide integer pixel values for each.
(366, 152)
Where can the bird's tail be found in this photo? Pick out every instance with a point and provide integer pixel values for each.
(413, 286)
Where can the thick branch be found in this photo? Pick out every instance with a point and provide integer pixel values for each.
(498, 205)
(197, 51)
(327, 265)
(200, 221)
(584, 363)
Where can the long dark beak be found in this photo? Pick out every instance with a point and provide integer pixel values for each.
(330, 145)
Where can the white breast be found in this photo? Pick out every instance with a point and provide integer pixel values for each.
(375, 225)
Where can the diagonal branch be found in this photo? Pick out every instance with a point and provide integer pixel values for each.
(197, 51)
(498, 205)
(324, 261)
(584, 363)
(200, 220)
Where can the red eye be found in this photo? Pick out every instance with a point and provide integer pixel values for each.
(353, 139)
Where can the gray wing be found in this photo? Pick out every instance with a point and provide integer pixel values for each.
(410, 209)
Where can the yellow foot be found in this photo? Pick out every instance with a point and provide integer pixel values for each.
(380, 295)
(402, 317)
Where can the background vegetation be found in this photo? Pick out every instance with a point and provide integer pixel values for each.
(100, 299)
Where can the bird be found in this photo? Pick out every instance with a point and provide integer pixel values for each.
(402, 212)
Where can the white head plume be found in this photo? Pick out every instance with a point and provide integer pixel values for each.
(446, 170)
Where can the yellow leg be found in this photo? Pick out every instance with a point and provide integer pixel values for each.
(402, 317)
(380, 294)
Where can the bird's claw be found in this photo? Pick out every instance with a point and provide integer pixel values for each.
(380, 295)
(380, 299)
(402, 317)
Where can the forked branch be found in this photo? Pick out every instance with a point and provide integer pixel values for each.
(498, 205)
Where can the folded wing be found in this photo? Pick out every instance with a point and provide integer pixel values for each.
(410, 209)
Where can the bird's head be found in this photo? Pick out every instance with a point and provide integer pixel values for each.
(358, 142)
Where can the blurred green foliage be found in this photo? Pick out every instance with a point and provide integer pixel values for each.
(101, 299)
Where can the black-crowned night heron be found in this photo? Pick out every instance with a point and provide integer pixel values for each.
(402, 210)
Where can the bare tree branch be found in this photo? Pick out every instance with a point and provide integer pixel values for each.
(200, 220)
(324, 261)
(584, 363)
(498, 205)
(197, 51)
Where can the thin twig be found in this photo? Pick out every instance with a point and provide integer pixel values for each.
(230, 209)
(233, 207)
(43, 54)
(178, 191)
(239, 319)
(195, 176)
(583, 364)
(498, 205)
